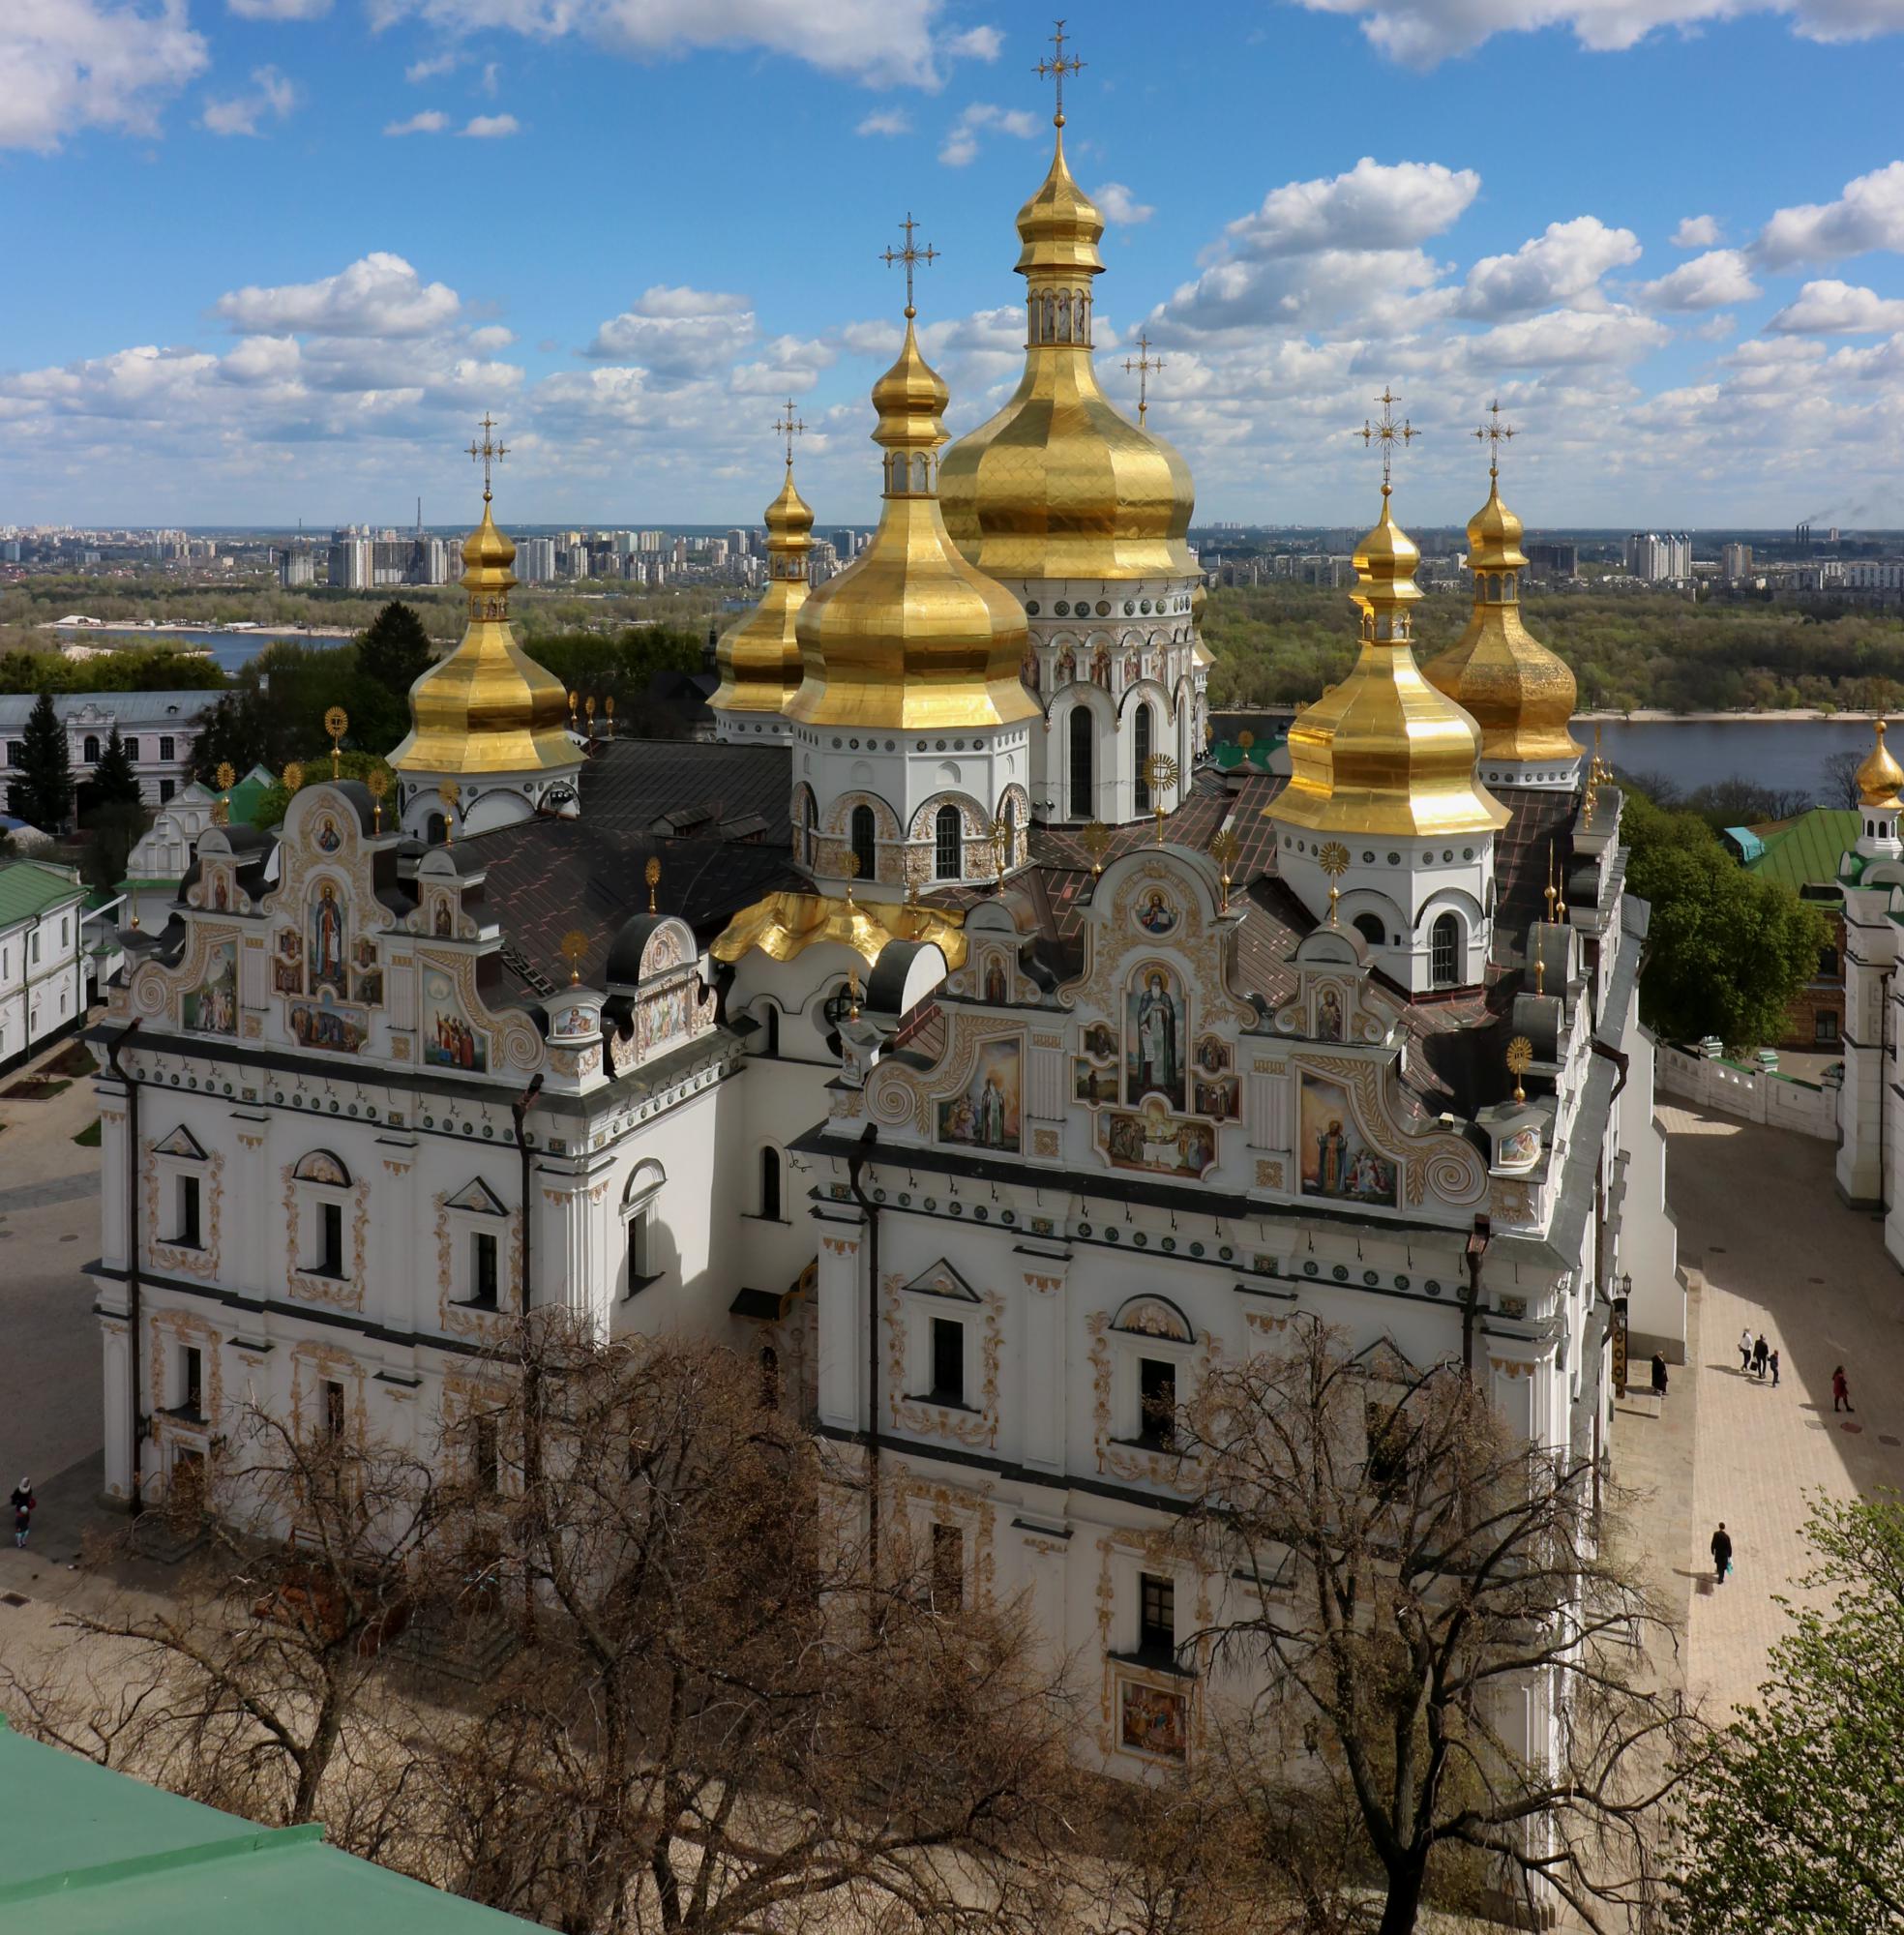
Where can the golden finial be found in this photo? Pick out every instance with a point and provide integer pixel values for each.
(588, 707)
(1246, 739)
(853, 993)
(1333, 860)
(849, 865)
(293, 776)
(489, 451)
(337, 723)
(608, 706)
(574, 944)
(449, 793)
(1553, 891)
(1141, 366)
(1601, 770)
(378, 783)
(1387, 433)
(1159, 774)
(910, 256)
(1520, 1059)
(575, 700)
(788, 425)
(226, 776)
(1095, 840)
(1056, 68)
(651, 874)
(1539, 972)
(1004, 846)
(221, 811)
(1223, 849)
(1494, 434)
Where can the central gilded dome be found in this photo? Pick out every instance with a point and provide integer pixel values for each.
(909, 635)
(1060, 483)
(487, 707)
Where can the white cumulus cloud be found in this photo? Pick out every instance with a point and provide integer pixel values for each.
(1118, 204)
(1560, 265)
(270, 97)
(1709, 280)
(1696, 232)
(434, 68)
(1371, 206)
(1837, 309)
(280, 9)
(432, 121)
(886, 121)
(491, 126)
(676, 332)
(1868, 215)
(76, 64)
(379, 295)
(961, 141)
(974, 43)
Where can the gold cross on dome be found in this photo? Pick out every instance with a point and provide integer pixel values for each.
(1057, 67)
(1142, 365)
(790, 427)
(1387, 433)
(1494, 434)
(489, 451)
(909, 255)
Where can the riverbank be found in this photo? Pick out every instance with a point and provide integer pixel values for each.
(1653, 716)
(243, 627)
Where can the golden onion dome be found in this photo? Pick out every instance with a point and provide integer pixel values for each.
(1059, 484)
(910, 634)
(1383, 752)
(1880, 777)
(487, 707)
(758, 659)
(1518, 692)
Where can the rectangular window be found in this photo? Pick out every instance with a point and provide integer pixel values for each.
(188, 1212)
(33, 947)
(1156, 1617)
(1156, 1384)
(1825, 1026)
(949, 1569)
(330, 1240)
(641, 1249)
(15, 753)
(63, 933)
(192, 1363)
(948, 1360)
(483, 1268)
(132, 748)
(166, 748)
(333, 1409)
(484, 1456)
(166, 789)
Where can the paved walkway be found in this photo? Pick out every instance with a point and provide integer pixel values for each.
(1766, 1244)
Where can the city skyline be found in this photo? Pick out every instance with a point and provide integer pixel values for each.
(635, 259)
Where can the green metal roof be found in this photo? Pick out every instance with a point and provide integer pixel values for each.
(29, 889)
(88, 1851)
(1810, 848)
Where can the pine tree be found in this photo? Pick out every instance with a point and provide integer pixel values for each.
(114, 782)
(43, 791)
(394, 649)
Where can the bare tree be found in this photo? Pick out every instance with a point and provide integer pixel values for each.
(245, 1687)
(728, 1722)
(1839, 786)
(1409, 1573)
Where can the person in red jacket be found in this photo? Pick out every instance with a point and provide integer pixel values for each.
(1841, 1391)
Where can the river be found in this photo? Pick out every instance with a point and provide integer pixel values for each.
(1783, 755)
(229, 650)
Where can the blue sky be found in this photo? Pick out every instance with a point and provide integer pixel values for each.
(1665, 233)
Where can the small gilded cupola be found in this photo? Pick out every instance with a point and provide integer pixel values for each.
(1879, 804)
(758, 659)
(1518, 692)
(1384, 823)
(488, 743)
(912, 728)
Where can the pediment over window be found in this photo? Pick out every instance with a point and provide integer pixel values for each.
(1382, 1361)
(321, 1165)
(182, 1144)
(1154, 1317)
(943, 1280)
(476, 1194)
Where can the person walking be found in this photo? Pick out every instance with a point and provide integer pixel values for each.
(1841, 1391)
(1761, 1351)
(1658, 1374)
(1774, 1361)
(1721, 1555)
(1744, 1350)
(23, 1504)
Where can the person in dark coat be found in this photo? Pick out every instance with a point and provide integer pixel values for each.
(1658, 1374)
(1761, 1351)
(1721, 1555)
(23, 1504)
(1772, 1361)
(1841, 1391)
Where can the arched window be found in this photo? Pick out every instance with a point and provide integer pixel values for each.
(1141, 754)
(1369, 927)
(770, 1184)
(434, 828)
(948, 843)
(865, 850)
(1008, 813)
(1446, 967)
(771, 1042)
(1082, 746)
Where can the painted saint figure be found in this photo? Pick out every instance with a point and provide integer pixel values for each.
(1157, 1065)
(1332, 1146)
(327, 940)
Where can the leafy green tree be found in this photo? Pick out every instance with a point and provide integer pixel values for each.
(1796, 1821)
(43, 791)
(394, 649)
(1728, 951)
(318, 769)
(114, 782)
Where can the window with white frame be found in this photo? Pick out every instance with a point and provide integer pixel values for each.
(640, 1204)
(1150, 1372)
(939, 1337)
(479, 1223)
(323, 1196)
(192, 1382)
(182, 1181)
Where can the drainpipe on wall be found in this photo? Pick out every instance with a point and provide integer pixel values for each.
(856, 1164)
(531, 1375)
(137, 1503)
(1477, 1246)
